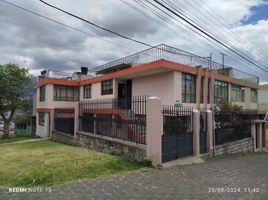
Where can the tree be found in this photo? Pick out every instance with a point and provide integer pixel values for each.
(228, 113)
(14, 83)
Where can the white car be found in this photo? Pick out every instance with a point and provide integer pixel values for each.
(11, 125)
(1, 125)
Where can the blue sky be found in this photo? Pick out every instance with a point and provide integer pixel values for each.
(259, 12)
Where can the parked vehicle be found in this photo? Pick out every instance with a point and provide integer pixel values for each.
(1, 125)
(11, 125)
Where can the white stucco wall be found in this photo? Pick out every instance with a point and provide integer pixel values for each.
(96, 91)
(50, 103)
(164, 86)
(263, 99)
(42, 131)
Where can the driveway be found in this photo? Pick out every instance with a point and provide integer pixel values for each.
(233, 177)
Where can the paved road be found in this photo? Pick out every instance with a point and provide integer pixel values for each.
(198, 181)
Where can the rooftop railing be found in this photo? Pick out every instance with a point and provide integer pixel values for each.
(178, 56)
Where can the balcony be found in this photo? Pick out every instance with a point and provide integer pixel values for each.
(174, 55)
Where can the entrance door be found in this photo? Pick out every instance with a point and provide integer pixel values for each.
(122, 96)
(125, 94)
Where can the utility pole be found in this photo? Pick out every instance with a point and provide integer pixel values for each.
(222, 54)
(211, 97)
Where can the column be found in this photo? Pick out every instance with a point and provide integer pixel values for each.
(253, 135)
(76, 118)
(209, 132)
(196, 132)
(260, 135)
(154, 130)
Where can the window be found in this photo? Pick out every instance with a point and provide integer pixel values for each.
(41, 117)
(237, 93)
(254, 95)
(42, 91)
(188, 88)
(87, 92)
(66, 93)
(221, 90)
(107, 87)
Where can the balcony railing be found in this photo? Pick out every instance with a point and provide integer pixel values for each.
(178, 56)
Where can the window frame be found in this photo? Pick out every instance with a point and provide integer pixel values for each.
(253, 99)
(65, 93)
(221, 86)
(41, 119)
(109, 85)
(87, 91)
(42, 93)
(237, 93)
(188, 96)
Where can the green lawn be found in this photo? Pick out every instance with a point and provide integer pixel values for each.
(46, 163)
(15, 138)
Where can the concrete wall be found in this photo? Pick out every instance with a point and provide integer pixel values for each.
(164, 86)
(245, 145)
(247, 104)
(103, 144)
(247, 98)
(96, 91)
(263, 99)
(49, 102)
(42, 131)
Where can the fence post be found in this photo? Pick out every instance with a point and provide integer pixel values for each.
(95, 123)
(253, 135)
(196, 132)
(154, 130)
(76, 118)
(52, 125)
(259, 135)
(209, 132)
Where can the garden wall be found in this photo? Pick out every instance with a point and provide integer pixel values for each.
(245, 145)
(103, 144)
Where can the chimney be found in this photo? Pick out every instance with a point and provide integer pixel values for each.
(84, 70)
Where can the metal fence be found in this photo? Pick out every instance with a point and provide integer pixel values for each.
(64, 120)
(228, 129)
(122, 119)
(177, 138)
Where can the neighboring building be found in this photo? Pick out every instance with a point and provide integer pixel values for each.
(262, 99)
(168, 73)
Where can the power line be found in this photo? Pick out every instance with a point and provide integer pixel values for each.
(222, 28)
(168, 21)
(238, 52)
(96, 25)
(180, 15)
(110, 31)
(182, 7)
(60, 23)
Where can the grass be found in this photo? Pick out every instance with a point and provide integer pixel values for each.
(15, 138)
(47, 163)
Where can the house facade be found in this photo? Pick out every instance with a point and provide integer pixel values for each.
(174, 76)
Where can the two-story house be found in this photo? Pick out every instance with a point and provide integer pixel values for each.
(165, 72)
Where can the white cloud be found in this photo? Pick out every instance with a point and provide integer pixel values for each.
(38, 44)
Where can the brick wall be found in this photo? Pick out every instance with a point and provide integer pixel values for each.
(245, 145)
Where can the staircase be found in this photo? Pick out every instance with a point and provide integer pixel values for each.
(135, 124)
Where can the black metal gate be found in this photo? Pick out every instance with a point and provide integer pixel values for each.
(203, 132)
(177, 138)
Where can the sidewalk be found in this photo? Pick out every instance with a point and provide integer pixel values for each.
(243, 176)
